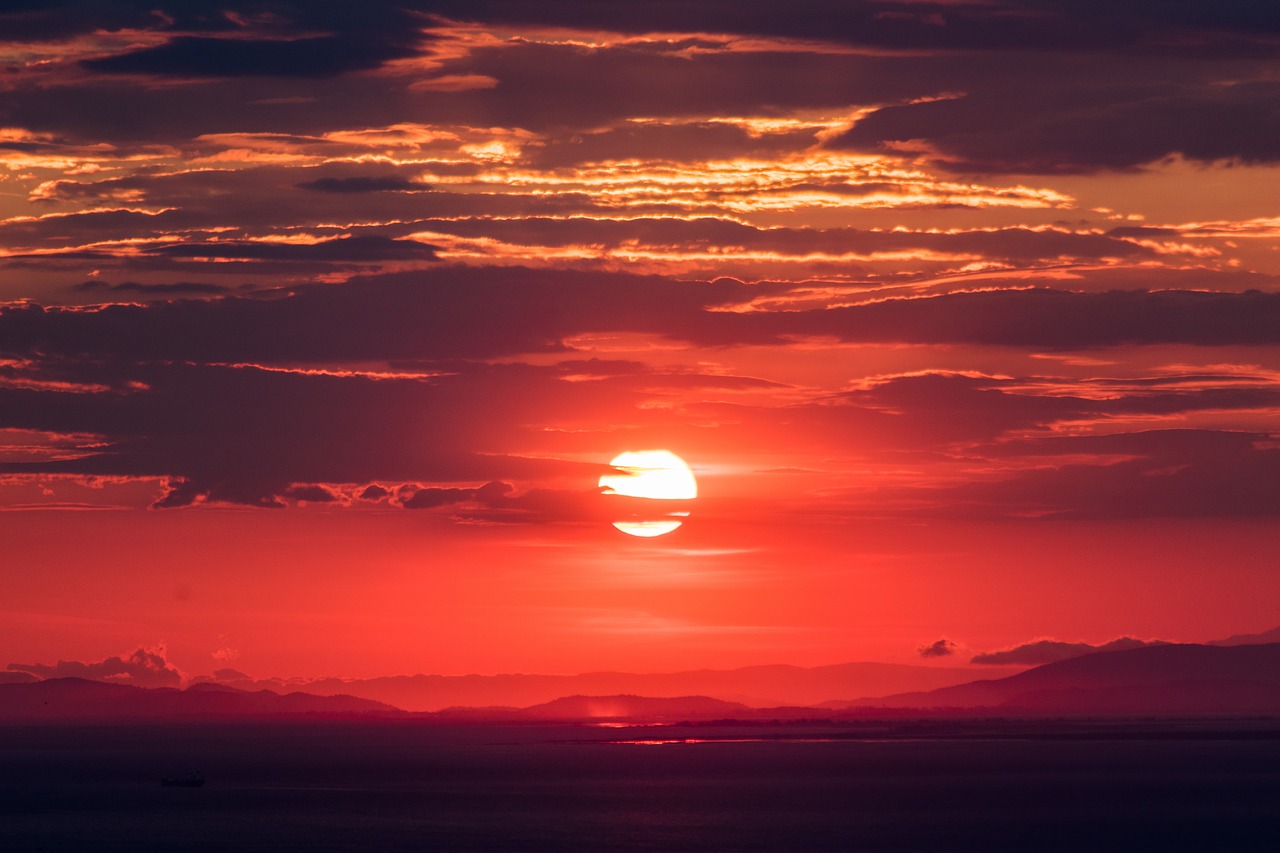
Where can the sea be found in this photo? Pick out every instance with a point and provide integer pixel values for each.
(361, 785)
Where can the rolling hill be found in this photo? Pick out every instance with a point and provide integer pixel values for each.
(81, 700)
(1154, 679)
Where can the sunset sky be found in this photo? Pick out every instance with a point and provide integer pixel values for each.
(320, 322)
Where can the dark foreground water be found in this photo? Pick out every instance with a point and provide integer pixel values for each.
(405, 786)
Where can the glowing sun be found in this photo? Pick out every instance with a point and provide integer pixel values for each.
(654, 474)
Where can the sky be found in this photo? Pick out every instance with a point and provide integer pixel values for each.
(321, 321)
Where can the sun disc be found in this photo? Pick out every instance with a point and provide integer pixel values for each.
(655, 475)
(646, 529)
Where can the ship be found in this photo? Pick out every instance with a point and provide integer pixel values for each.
(191, 780)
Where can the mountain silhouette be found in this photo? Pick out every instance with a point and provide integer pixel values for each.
(757, 686)
(1272, 636)
(1155, 679)
(633, 708)
(78, 699)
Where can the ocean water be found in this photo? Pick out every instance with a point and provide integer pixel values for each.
(355, 786)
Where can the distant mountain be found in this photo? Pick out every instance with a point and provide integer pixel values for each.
(635, 707)
(609, 708)
(17, 678)
(1272, 636)
(77, 699)
(757, 686)
(1155, 679)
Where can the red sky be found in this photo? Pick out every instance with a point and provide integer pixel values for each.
(319, 323)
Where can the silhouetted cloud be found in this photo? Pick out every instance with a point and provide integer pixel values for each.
(355, 38)
(143, 668)
(430, 498)
(369, 248)
(206, 395)
(373, 492)
(247, 434)
(387, 183)
(316, 205)
(456, 313)
(179, 288)
(1008, 24)
(499, 311)
(1245, 484)
(1081, 131)
(1038, 318)
(312, 494)
(1048, 651)
(937, 649)
(321, 56)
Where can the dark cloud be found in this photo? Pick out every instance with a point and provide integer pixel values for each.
(540, 87)
(558, 88)
(1020, 244)
(373, 492)
(981, 416)
(177, 288)
(385, 183)
(657, 141)
(500, 503)
(1114, 128)
(247, 435)
(1160, 445)
(370, 248)
(38, 20)
(1244, 484)
(259, 199)
(1002, 25)
(143, 668)
(283, 39)
(937, 649)
(1048, 651)
(194, 56)
(430, 498)
(207, 395)
(455, 313)
(458, 312)
(1037, 318)
(312, 494)
(140, 378)
(923, 50)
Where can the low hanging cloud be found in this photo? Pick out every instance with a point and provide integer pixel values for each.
(433, 497)
(1050, 651)
(938, 649)
(313, 493)
(143, 668)
(373, 492)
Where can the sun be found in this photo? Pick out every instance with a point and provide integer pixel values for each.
(653, 474)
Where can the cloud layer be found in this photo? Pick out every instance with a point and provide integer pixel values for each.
(452, 256)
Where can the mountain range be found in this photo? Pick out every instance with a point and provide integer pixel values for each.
(82, 700)
(1151, 680)
(1157, 679)
(757, 686)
